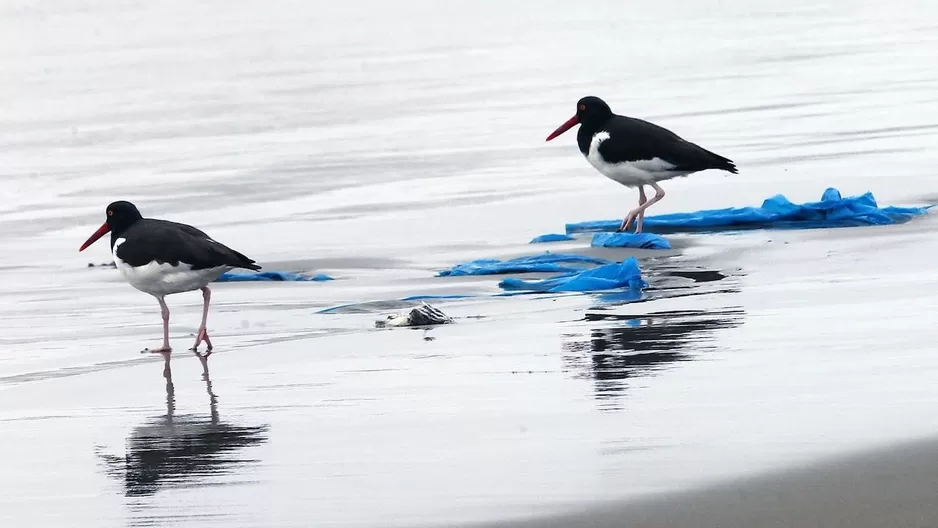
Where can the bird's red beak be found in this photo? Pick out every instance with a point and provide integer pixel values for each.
(564, 127)
(103, 230)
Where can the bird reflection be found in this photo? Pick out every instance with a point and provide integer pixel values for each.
(175, 450)
(620, 347)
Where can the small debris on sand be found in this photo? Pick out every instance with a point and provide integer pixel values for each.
(423, 315)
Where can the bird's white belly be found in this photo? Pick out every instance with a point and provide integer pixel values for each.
(630, 173)
(164, 279)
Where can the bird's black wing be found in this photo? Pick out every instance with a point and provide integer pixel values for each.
(633, 139)
(194, 231)
(162, 241)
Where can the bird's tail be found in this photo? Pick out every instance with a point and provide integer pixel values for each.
(728, 166)
(245, 262)
(721, 163)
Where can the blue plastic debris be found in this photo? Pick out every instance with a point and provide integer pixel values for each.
(435, 297)
(547, 262)
(369, 306)
(630, 240)
(776, 212)
(610, 276)
(621, 297)
(270, 276)
(551, 237)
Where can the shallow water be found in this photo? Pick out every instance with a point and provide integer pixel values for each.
(380, 142)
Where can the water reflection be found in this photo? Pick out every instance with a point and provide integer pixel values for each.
(667, 280)
(620, 347)
(174, 450)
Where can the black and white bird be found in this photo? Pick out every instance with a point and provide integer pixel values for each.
(160, 257)
(636, 153)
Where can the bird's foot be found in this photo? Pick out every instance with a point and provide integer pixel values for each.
(202, 335)
(626, 223)
(157, 350)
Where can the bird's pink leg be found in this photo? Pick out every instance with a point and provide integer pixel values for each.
(202, 334)
(633, 215)
(641, 201)
(640, 210)
(164, 311)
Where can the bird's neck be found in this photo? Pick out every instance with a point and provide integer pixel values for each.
(120, 231)
(584, 135)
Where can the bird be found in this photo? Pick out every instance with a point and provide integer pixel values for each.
(635, 153)
(160, 257)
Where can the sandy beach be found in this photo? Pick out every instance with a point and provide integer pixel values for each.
(764, 378)
(893, 486)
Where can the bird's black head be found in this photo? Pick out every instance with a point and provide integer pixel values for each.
(120, 216)
(591, 111)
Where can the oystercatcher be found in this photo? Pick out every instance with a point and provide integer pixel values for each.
(160, 257)
(636, 153)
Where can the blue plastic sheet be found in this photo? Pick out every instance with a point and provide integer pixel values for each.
(270, 276)
(610, 276)
(547, 262)
(434, 297)
(621, 297)
(777, 212)
(630, 240)
(551, 237)
(405, 302)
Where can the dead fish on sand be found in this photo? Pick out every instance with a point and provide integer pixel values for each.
(423, 315)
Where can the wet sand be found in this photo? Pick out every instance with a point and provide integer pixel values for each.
(313, 148)
(526, 406)
(892, 486)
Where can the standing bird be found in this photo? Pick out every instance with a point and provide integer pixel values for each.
(636, 153)
(161, 258)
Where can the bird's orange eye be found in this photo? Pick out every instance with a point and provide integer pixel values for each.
(582, 107)
(110, 213)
